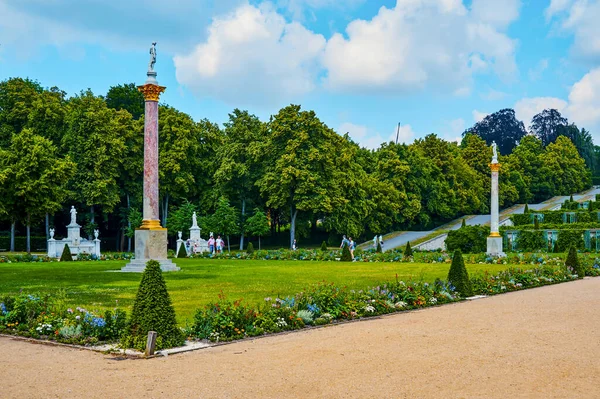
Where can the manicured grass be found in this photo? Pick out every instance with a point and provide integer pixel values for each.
(98, 285)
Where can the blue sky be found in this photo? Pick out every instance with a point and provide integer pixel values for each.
(436, 66)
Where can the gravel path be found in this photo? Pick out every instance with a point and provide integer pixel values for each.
(539, 343)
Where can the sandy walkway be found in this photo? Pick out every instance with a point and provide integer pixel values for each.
(540, 343)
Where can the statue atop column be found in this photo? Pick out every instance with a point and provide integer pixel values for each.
(152, 57)
(495, 152)
(194, 220)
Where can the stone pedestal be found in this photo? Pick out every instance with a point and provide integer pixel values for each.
(73, 233)
(97, 247)
(52, 248)
(195, 233)
(494, 246)
(150, 245)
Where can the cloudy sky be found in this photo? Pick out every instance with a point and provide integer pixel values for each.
(435, 66)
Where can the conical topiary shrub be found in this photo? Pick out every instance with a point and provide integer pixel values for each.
(408, 250)
(346, 255)
(182, 253)
(379, 249)
(458, 275)
(526, 209)
(573, 263)
(250, 248)
(66, 254)
(153, 311)
(324, 246)
(464, 223)
(536, 223)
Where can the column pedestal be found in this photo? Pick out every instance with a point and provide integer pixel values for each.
(494, 241)
(150, 245)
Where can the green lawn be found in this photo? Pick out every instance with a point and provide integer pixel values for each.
(97, 285)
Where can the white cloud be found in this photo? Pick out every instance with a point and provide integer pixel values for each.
(579, 17)
(298, 8)
(584, 102)
(253, 55)
(496, 13)
(478, 116)
(371, 139)
(536, 73)
(420, 42)
(493, 95)
(527, 108)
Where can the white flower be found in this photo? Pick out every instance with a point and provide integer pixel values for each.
(281, 322)
(369, 308)
(400, 305)
(433, 300)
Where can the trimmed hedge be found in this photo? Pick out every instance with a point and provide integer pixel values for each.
(37, 243)
(469, 239)
(555, 217)
(570, 238)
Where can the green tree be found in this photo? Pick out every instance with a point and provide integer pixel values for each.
(35, 177)
(545, 125)
(181, 218)
(95, 139)
(501, 127)
(225, 219)
(126, 97)
(408, 250)
(153, 311)
(566, 169)
(572, 263)
(257, 225)
(458, 275)
(302, 172)
(237, 159)
(16, 98)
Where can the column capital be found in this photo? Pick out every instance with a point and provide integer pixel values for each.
(151, 91)
(495, 167)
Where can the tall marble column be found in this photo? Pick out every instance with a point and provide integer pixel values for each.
(494, 241)
(150, 237)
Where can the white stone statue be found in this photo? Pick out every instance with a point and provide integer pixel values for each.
(495, 153)
(194, 220)
(73, 215)
(52, 234)
(179, 234)
(152, 57)
(96, 233)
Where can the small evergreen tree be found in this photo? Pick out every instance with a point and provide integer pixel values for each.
(536, 223)
(573, 263)
(250, 248)
(346, 255)
(458, 275)
(379, 249)
(66, 254)
(153, 311)
(324, 246)
(408, 250)
(526, 209)
(182, 253)
(464, 223)
(571, 198)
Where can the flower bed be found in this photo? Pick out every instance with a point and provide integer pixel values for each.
(48, 317)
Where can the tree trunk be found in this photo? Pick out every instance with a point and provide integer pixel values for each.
(92, 221)
(47, 226)
(128, 225)
(28, 234)
(12, 236)
(243, 213)
(293, 214)
(228, 247)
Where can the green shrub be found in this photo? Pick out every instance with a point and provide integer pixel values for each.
(469, 239)
(464, 223)
(458, 275)
(526, 209)
(182, 253)
(408, 250)
(379, 249)
(250, 248)
(531, 240)
(153, 311)
(324, 246)
(306, 316)
(346, 255)
(536, 224)
(66, 254)
(570, 238)
(573, 263)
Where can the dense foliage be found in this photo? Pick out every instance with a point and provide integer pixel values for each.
(152, 311)
(296, 175)
(469, 239)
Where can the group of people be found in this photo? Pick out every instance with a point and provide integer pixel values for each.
(215, 246)
(350, 243)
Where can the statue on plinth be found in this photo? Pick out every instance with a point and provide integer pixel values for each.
(96, 233)
(194, 220)
(52, 234)
(73, 215)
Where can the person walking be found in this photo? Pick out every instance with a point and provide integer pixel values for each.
(344, 242)
(351, 246)
(211, 245)
(219, 244)
(294, 245)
